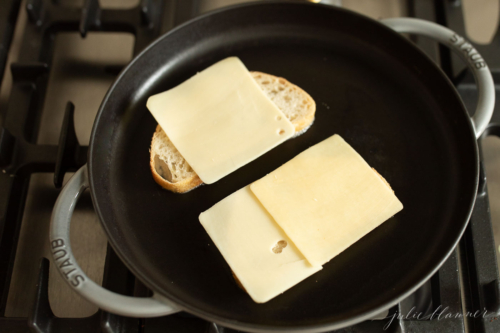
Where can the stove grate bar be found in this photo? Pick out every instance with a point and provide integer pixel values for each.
(70, 155)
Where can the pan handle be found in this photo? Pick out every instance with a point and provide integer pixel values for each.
(482, 74)
(73, 274)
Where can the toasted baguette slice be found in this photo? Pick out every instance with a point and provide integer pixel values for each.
(294, 102)
(171, 170)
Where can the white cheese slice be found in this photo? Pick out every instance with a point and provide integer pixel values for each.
(246, 235)
(326, 199)
(220, 119)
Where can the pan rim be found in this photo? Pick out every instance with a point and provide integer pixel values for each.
(248, 326)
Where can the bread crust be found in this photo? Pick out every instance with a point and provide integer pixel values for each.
(182, 186)
(383, 179)
(190, 183)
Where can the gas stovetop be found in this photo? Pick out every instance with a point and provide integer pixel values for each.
(42, 141)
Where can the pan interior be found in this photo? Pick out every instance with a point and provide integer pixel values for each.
(371, 86)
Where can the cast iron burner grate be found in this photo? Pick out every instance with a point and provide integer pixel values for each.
(467, 282)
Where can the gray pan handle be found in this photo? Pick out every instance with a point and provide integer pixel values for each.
(482, 74)
(72, 273)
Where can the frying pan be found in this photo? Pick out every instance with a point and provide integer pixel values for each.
(372, 86)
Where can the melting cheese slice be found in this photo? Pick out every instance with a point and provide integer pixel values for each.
(220, 119)
(246, 235)
(326, 199)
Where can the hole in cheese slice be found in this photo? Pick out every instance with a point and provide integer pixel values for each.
(278, 248)
(244, 233)
(220, 119)
(326, 199)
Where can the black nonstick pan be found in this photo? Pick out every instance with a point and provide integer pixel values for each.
(372, 86)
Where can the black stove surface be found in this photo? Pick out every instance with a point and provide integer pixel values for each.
(463, 296)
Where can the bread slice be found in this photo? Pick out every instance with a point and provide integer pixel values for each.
(171, 171)
(168, 167)
(294, 102)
